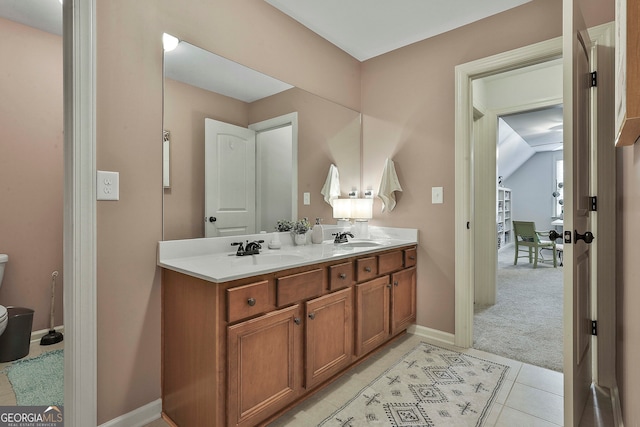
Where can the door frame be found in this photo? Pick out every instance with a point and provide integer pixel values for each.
(604, 304)
(466, 221)
(79, 243)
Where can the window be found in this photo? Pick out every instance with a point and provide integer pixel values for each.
(558, 191)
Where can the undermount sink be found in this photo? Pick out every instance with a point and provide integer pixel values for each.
(361, 244)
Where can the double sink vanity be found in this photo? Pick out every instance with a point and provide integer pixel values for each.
(246, 337)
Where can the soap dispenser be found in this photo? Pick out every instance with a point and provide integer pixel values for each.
(317, 232)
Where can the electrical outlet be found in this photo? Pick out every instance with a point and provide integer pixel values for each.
(437, 195)
(307, 198)
(108, 185)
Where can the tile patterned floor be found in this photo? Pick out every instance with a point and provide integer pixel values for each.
(531, 396)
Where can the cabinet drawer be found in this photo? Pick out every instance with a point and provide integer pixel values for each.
(366, 268)
(410, 256)
(248, 300)
(340, 276)
(390, 262)
(298, 287)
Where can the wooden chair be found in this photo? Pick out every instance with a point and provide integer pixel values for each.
(528, 239)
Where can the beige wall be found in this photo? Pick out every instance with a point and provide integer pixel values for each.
(628, 289)
(407, 100)
(408, 108)
(31, 168)
(129, 131)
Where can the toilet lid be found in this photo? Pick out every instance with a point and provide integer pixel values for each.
(3, 312)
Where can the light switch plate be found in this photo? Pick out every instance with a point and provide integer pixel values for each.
(307, 198)
(108, 185)
(437, 196)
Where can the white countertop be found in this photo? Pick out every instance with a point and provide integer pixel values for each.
(215, 260)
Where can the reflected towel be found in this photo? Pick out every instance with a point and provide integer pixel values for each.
(331, 188)
(388, 185)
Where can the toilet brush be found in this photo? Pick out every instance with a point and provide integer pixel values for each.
(53, 336)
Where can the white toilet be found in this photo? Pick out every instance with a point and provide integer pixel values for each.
(4, 317)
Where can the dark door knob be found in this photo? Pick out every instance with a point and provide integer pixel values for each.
(553, 235)
(212, 219)
(587, 236)
(312, 316)
(296, 320)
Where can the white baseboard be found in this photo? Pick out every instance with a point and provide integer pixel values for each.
(37, 335)
(432, 334)
(615, 404)
(138, 417)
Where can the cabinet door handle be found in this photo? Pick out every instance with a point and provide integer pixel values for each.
(395, 283)
(412, 258)
(296, 320)
(367, 269)
(389, 285)
(251, 302)
(312, 316)
(342, 276)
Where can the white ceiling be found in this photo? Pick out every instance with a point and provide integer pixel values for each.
(368, 28)
(542, 129)
(45, 15)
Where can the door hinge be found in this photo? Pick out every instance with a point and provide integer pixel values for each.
(593, 203)
(594, 327)
(594, 79)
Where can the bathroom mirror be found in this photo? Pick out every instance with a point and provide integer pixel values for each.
(199, 85)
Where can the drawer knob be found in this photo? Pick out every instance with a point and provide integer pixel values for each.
(296, 320)
(342, 276)
(367, 269)
(395, 283)
(389, 285)
(251, 302)
(312, 316)
(412, 257)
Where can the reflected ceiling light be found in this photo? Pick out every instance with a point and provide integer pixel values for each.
(169, 42)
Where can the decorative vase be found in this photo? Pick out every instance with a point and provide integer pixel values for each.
(300, 239)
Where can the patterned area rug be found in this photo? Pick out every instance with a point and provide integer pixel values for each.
(429, 386)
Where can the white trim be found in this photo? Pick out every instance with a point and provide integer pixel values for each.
(464, 240)
(79, 244)
(138, 417)
(284, 120)
(37, 335)
(432, 334)
(618, 421)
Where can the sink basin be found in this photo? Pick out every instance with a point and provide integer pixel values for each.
(361, 244)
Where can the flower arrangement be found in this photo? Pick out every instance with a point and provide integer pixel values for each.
(301, 226)
(284, 225)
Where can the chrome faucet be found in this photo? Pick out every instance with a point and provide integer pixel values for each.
(341, 237)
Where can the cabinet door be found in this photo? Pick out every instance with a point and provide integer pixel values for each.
(264, 364)
(329, 341)
(403, 299)
(372, 314)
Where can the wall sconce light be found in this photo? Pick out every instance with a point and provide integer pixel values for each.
(169, 42)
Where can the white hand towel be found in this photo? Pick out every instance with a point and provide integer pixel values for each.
(388, 185)
(331, 188)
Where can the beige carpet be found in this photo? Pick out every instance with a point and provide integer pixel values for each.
(428, 387)
(525, 324)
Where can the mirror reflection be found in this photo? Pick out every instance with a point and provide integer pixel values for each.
(265, 145)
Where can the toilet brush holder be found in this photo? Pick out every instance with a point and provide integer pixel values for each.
(53, 336)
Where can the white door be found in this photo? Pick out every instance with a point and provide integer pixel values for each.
(230, 182)
(577, 219)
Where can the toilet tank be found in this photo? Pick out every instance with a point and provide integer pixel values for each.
(4, 258)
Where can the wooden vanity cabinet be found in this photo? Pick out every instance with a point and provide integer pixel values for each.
(239, 353)
(329, 336)
(403, 299)
(264, 365)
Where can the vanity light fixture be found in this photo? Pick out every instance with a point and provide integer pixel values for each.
(169, 42)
